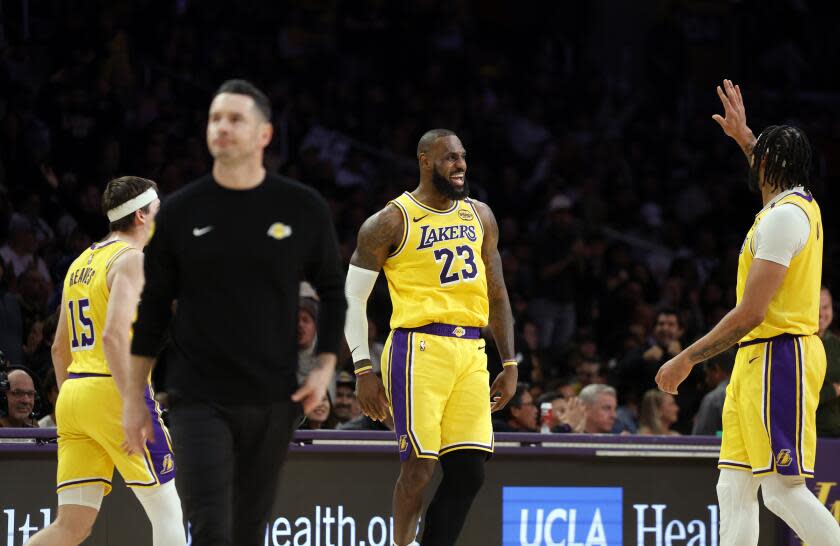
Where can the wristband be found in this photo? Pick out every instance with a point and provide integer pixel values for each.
(363, 370)
(510, 362)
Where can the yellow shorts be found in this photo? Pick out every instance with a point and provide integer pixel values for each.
(771, 403)
(90, 437)
(439, 391)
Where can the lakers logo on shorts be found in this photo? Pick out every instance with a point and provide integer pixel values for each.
(403, 443)
(459, 332)
(168, 465)
(783, 458)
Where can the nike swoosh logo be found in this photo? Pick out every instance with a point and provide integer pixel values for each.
(750, 362)
(482, 347)
(353, 350)
(418, 219)
(198, 232)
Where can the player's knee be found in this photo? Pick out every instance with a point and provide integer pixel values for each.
(74, 528)
(416, 474)
(775, 489)
(465, 469)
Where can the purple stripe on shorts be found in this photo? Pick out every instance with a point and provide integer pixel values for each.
(162, 458)
(800, 373)
(784, 407)
(396, 382)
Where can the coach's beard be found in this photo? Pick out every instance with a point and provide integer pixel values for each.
(445, 187)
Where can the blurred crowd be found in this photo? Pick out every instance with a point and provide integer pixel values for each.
(621, 205)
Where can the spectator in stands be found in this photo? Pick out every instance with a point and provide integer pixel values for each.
(600, 403)
(567, 415)
(19, 401)
(658, 414)
(363, 422)
(559, 264)
(20, 252)
(34, 291)
(589, 372)
(51, 393)
(322, 417)
(11, 332)
(828, 411)
(635, 374)
(718, 371)
(627, 415)
(520, 415)
(307, 338)
(346, 407)
(566, 386)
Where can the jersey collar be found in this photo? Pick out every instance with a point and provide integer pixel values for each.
(772, 203)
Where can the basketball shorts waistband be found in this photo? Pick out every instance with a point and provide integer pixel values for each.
(74, 375)
(446, 330)
(769, 339)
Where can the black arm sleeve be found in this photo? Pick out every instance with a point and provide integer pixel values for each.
(325, 272)
(159, 291)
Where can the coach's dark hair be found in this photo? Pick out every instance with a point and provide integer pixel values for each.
(120, 190)
(429, 138)
(788, 158)
(244, 87)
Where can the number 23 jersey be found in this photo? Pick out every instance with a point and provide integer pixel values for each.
(436, 273)
(85, 299)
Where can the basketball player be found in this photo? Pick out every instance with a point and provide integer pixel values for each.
(438, 249)
(769, 433)
(91, 356)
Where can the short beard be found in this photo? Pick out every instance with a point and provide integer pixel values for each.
(445, 187)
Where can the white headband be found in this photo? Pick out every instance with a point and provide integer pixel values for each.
(133, 204)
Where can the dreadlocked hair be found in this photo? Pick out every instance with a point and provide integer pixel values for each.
(787, 155)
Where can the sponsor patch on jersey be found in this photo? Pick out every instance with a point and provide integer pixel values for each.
(465, 214)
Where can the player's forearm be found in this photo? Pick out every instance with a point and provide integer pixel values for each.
(501, 324)
(116, 348)
(730, 330)
(326, 361)
(137, 376)
(747, 142)
(61, 362)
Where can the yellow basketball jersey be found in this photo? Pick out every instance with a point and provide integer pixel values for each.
(795, 307)
(86, 299)
(436, 273)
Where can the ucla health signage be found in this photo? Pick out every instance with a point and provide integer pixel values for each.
(562, 516)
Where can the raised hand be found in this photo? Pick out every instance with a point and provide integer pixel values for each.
(734, 120)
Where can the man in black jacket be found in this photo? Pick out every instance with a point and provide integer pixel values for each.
(232, 248)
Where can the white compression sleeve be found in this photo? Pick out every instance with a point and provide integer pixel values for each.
(737, 493)
(788, 498)
(163, 507)
(357, 289)
(84, 495)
